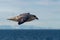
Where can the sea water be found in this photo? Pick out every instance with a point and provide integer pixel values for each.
(40, 34)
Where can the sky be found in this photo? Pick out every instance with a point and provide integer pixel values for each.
(48, 12)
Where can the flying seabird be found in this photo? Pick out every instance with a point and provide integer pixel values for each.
(22, 18)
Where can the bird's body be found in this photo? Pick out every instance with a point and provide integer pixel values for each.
(25, 17)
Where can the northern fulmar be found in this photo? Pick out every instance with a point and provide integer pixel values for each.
(22, 18)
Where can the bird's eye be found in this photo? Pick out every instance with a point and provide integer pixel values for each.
(34, 16)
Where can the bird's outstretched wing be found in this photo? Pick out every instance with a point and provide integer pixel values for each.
(23, 19)
(24, 14)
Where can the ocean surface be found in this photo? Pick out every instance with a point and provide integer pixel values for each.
(41, 34)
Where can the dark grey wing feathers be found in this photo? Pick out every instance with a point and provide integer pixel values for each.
(25, 14)
(23, 19)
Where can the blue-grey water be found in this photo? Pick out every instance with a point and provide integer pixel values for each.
(30, 34)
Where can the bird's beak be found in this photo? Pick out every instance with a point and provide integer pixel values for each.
(37, 18)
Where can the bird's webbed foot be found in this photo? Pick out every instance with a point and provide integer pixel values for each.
(19, 23)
